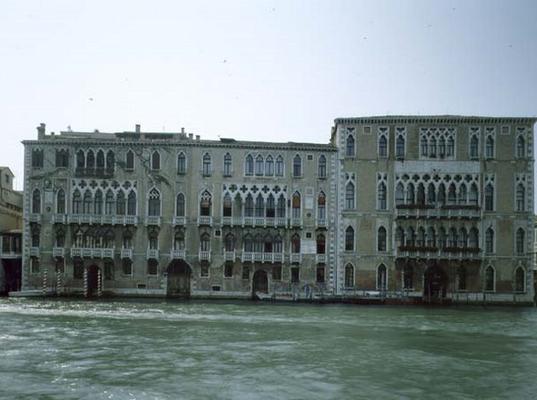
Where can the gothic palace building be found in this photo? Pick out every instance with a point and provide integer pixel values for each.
(400, 208)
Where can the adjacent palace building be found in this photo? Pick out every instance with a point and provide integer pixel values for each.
(396, 208)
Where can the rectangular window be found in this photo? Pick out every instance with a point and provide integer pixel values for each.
(246, 272)
(228, 270)
(34, 265)
(78, 270)
(295, 275)
(127, 266)
(204, 269)
(152, 267)
(109, 271)
(62, 158)
(277, 273)
(320, 274)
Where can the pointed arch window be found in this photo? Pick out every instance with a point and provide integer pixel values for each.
(98, 202)
(349, 276)
(297, 166)
(110, 203)
(442, 147)
(77, 202)
(420, 240)
(227, 165)
(349, 239)
(473, 239)
(381, 239)
(270, 209)
(36, 201)
(431, 194)
(421, 194)
(490, 279)
(432, 148)
(259, 163)
(452, 195)
(155, 161)
(463, 195)
(87, 202)
(205, 242)
(295, 243)
(249, 206)
(399, 194)
(453, 238)
(520, 197)
(321, 168)
(349, 196)
(279, 166)
(410, 198)
(474, 196)
(296, 205)
(400, 147)
(227, 205)
(131, 203)
(62, 158)
(259, 206)
(90, 159)
(321, 206)
(229, 242)
(60, 202)
(382, 277)
(450, 147)
(249, 165)
(321, 244)
(520, 238)
(248, 243)
(520, 280)
(520, 147)
(399, 237)
(489, 147)
(269, 166)
(278, 244)
(100, 160)
(441, 198)
(181, 163)
(463, 238)
(110, 160)
(431, 237)
(154, 203)
(489, 197)
(383, 146)
(424, 147)
(381, 196)
(129, 160)
(80, 159)
(474, 147)
(179, 239)
(205, 203)
(120, 203)
(350, 150)
(281, 209)
(489, 241)
(206, 165)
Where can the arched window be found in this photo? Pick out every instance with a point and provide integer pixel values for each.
(520, 280)
(421, 194)
(154, 203)
(452, 195)
(520, 197)
(399, 237)
(259, 206)
(295, 243)
(431, 194)
(461, 278)
(463, 195)
(131, 203)
(410, 237)
(205, 203)
(381, 196)
(420, 240)
(36, 201)
(80, 159)
(129, 160)
(77, 202)
(489, 147)
(489, 197)
(249, 165)
(155, 161)
(248, 243)
(520, 147)
(110, 160)
(400, 147)
(520, 238)
(227, 205)
(349, 276)
(297, 166)
(90, 159)
(98, 202)
(453, 238)
(442, 238)
(463, 238)
(269, 166)
(442, 147)
(473, 239)
(349, 196)
(259, 163)
(206, 165)
(381, 239)
(229, 242)
(321, 169)
(120, 203)
(473, 198)
(321, 244)
(281, 210)
(490, 279)
(441, 198)
(227, 164)
(321, 206)
(450, 147)
(431, 237)
(180, 205)
(87, 202)
(489, 241)
(110, 203)
(382, 277)
(205, 242)
(249, 206)
(474, 147)
(62, 158)
(279, 166)
(100, 159)
(179, 239)
(432, 147)
(399, 194)
(424, 147)
(349, 239)
(60, 202)
(410, 198)
(295, 205)
(270, 209)
(349, 146)
(383, 146)
(181, 163)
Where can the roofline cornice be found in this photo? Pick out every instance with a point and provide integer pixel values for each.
(436, 119)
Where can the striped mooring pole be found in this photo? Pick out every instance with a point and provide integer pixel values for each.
(86, 282)
(99, 283)
(44, 281)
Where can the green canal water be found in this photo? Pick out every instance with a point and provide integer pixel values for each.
(203, 350)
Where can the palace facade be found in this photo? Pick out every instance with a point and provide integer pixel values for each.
(401, 208)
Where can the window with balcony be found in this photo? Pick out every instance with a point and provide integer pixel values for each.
(77, 202)
(129, 160)
(349, 196)
(463, 194)
(520, 198)
(205, 242)
(490, 279)
(321, 168)
(520, 280)
(452, 195)
(382, 277)
(152, 267)
(120, 203)
(281, 208)
(349, 276)
(474, 197)
(87, 203)
(98, 202)
(62, 158)
(90, 159)
(279, 166)
(180, 205)
(110, 160)
(297, 166)
(321, 206)
(153, 209)
(80, 159)
(268, 243)
(179, 239)
(259, 206)
(431, 194)
(399, 194)
(473, 238)
(441, 197)
(295, 243)
(227, 164)
(296, 206)
(155, 161)
(278, 244)
(110, 203)
(181, 163)
(227, 206)
(270, 210)
(249, 206)
(229, 242)
(131, 203)
(100, 160)
(60, 202)
(205, 204)
(206, 165)
(248, 243)
(450, 147)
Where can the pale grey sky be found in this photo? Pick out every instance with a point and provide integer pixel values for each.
(270, 70)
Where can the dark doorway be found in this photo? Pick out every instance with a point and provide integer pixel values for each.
(11, 275)
(259, 283)
(93, 280)
(179, 274)
(434, 284)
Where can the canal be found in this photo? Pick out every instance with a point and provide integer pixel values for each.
(171, 350)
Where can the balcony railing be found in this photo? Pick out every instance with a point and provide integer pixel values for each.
(34, 252)
(229, 255)
(321, 222)
(435, 252)
(35, 218)
(152, 220)
(296, 222)
(320, 258)
(126, 253)
(108, 252)
(205, 220)
(58, 252)
(152, 254)
(179, 221)
(178, 254)
(97, 219)
(100, 172)
(204, 255)
(429, 211)
(262, 257)
(296, 258)
(10, 254)
(59, 218)
(89, 252)
(259, 221)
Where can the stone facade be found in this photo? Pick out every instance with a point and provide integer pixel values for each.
(394, 207)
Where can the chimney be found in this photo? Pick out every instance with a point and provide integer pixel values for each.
(191, 136)
(41, 131)
(183, 131)
(137, 128)
(197, 138)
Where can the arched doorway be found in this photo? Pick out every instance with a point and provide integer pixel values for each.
(93, 280)
(179, 274)
(259, 283)
(435, 283)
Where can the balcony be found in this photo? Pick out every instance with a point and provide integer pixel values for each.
(126, 253)
(320, 222)
(178, 254)
(100, 172)
(229, 255)
(59, 218)
(261, 257)
(152, 220)
(296, 258)
(456, 253)
(296, 222)
(247, 256)
(10, 254)
(34, 252)
(204, 255)
(320, 258)
(35, 218)
(58, 252)
(130, 220)
(442, 212)
(152, 254)
(179, 221)
(108, 252)
(205, 220)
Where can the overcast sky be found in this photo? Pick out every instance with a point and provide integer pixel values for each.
(270, 70)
